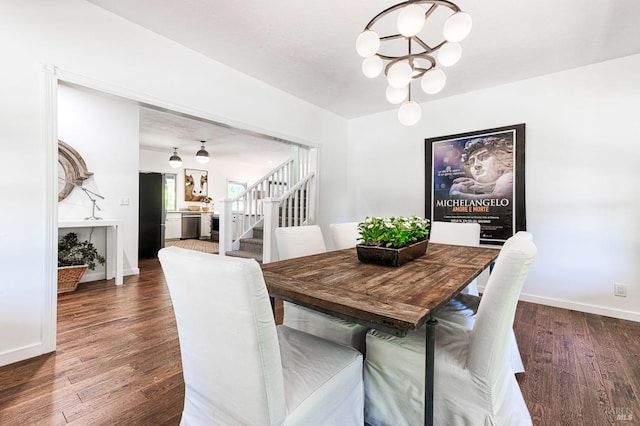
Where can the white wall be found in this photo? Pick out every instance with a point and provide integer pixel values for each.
(582, 150)
(104, 130)
(95, 47)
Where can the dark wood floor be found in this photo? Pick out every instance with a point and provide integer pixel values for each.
(118, 363)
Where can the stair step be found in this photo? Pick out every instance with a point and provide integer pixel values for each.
(245, 254)
(258, 232)
(251, 244)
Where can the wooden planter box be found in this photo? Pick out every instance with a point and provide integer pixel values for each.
(69, 277)
(386, 256)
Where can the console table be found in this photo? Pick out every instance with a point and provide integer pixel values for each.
(113, 252)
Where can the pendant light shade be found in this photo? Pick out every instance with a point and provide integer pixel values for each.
(411, 20)
(175, 161)
(457, 27)
(202, 156)
(409, 113)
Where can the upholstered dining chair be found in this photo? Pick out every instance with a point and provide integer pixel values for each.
(345, 234)
(239, 367)
(460, 234)
(474, 381)
(464, 307)
(298, 241)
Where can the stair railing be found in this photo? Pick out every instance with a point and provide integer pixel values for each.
(238, 216)
(294, 208)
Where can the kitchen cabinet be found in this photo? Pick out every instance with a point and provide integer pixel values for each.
(205, 225)
(173, 228)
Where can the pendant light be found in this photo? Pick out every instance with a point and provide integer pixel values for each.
(411, 18)
(202, 156)
(175, 161)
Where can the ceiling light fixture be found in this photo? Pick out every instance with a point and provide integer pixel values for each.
(175, 161)
(202, 156)
(404, 66)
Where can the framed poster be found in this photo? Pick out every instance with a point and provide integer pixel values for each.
(196, 184)
(478, 177)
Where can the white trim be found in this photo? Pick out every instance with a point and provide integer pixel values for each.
(50, 140)
(52, 77)
(23, 353)
(149, 101)
(580, 307)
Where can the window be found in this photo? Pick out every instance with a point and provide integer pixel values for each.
(233, 190)
(170, 191)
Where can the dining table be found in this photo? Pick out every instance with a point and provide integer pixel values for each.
(396, 300)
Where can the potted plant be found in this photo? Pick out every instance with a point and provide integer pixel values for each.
(74, 257)
(205, 203)
(392, 241)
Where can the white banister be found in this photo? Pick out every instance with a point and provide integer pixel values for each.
(288, 186)
(269, 248)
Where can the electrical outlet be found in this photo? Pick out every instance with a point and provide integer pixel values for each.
(620, 290)
(124, 201)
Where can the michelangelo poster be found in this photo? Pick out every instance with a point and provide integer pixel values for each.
(478, 177)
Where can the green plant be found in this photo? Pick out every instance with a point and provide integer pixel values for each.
(393, 232)
(72, 251)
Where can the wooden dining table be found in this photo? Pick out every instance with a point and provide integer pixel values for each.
(392, 299)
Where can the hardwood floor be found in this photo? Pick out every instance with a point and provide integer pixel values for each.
(118, 363)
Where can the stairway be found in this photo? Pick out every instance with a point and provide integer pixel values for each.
(250, 248)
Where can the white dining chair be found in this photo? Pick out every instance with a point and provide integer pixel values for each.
(240, 368)
(460, 234)
(463, 309)
(474, 381)
(345, 235)
(298, 241)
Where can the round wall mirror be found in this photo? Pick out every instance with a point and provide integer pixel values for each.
(72, 170)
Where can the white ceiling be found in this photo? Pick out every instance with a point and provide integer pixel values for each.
(307, 48)
(163, 130)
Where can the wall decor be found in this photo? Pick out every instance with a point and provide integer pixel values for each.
(72, 170)
(196, 184)
(478, 177)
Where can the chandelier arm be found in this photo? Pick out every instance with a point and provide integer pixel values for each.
(391, 37)
(427, 48)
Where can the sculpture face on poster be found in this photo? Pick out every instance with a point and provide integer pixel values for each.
(490, 162)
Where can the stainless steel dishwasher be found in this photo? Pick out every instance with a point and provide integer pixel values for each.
(190, 226)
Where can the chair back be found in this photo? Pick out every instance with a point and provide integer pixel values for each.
(491, 333)
(460, 234)
(228, 340)
(345, 235)
(298, 241)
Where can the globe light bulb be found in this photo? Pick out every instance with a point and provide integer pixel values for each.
(395, 95)
(457, 27)
(410, 20)
(449, 54)
(399, 75)
(367, 43)
(433, 81)
(409, 113)
(372, 66)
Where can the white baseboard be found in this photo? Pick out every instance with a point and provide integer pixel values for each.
(97, 276)
(580, 307)
(20, 354)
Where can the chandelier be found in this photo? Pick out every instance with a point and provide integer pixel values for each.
(415, 47)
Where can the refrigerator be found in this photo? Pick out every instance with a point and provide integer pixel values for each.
(151, 215)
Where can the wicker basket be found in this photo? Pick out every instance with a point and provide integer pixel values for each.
(69, 277)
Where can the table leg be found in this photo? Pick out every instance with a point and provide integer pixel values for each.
(429, 371)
